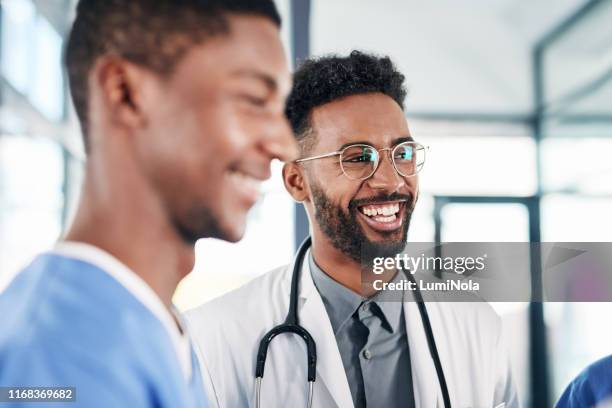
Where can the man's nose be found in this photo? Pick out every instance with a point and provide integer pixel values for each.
(385, 177)
(279, 141)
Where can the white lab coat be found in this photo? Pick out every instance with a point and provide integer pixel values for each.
(228, 329)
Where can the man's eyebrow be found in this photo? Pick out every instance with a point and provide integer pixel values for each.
(354, 143)
(365, 142)
(268, 80)
(402, 140)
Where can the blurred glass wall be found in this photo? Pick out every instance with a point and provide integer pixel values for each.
(33, 127)
(577, 174)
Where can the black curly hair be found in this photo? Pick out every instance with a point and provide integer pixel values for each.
(321, 80)
(151, 33)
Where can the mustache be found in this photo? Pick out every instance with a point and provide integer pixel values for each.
(408, 198)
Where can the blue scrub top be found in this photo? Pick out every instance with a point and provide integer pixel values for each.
(592, 386)
(65, 322)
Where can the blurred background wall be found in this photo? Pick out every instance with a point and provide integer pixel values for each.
(514, 98)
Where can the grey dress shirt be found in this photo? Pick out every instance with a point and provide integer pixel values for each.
(371, 338)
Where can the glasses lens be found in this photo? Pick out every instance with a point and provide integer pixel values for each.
(409, 158)
(359, 161)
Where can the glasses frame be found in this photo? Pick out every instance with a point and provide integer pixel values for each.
(391, 154)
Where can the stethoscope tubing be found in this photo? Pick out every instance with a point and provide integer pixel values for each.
(291, 325)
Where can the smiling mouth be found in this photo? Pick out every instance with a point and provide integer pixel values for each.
(245, 179)
(247, 186)
(387, 216)
(381, 212)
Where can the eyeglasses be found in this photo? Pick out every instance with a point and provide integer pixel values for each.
(360, 161)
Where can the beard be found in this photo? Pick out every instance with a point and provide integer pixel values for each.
(346, 233)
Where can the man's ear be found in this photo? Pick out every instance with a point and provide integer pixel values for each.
(295, 182)
(120, 84)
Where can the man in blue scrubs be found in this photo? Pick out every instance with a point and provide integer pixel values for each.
(182, 110)
(591, 388)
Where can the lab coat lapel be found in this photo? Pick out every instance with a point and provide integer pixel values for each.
(427, 392)
(314, 318)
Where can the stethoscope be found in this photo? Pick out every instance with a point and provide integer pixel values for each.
(292, 325)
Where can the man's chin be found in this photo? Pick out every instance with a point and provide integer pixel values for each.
(233, 227)
(376, 249)
(384, 237)
(229, 231)
(203, 225)
(382, 243)
(233, 236)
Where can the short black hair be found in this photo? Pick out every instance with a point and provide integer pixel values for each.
(151, 33)
(318, 81)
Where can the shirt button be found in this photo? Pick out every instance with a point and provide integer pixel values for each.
(367, 354)
(365, 307)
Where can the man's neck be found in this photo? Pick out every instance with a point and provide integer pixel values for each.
(340, 267)
(121, 215)
(344, 269)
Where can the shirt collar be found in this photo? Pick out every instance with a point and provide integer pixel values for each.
(134, 284)
(341, 302)
(392, 308)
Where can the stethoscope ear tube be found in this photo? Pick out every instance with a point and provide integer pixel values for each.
(258, 393)
(291, 325)
(431, 343)
(311, 349)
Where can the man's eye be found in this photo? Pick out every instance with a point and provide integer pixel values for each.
(254, 100)
(359, 159)
(405, 153)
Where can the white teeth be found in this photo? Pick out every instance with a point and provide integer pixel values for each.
(390, 218)
(245, 180)
(385, 210)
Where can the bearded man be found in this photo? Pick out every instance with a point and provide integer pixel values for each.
(358, 180)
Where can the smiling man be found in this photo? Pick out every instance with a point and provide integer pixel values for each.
(358, 180)
(182, 109)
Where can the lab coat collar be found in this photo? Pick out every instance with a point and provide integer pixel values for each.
(314, 318)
